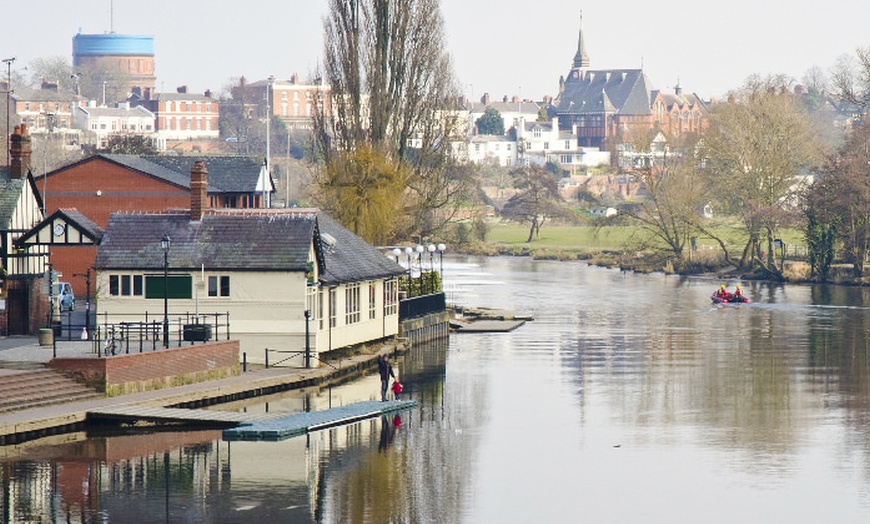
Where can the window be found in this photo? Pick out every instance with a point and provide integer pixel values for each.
(332, 308)
(567, 144)
(509, 147)
(177, 286)
(320, 302)
(351, 303)
(219, 286)
(546, 145)
(372, 301)
(125, 285)
(391, 297)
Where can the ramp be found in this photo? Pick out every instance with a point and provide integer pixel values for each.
(301, 423)
(134, 413)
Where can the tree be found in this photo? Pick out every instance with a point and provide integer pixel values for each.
(491, 122)
(363, 192)
(129, 145)
(837, 206)
(537, 199)
(851, 80)
(758, 144)
(103, 77)
(676, 191)
(52, 69)
(392, 87)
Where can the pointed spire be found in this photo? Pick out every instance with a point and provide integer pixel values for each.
(581, 59)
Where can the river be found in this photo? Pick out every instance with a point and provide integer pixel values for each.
(629, 398)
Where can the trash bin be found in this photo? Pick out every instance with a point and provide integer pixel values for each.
(46, 337)
(196, 332)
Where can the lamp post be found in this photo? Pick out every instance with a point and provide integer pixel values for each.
(164, 243)
(441, 248)
(8, 62)
(419, 249)
(409, 251)
(431, 249)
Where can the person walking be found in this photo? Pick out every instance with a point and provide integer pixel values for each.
(386, 371)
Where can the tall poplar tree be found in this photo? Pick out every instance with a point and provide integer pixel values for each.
(392, 90)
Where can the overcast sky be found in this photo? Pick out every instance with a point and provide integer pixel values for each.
(505, 47)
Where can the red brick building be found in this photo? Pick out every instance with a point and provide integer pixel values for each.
(88, 191)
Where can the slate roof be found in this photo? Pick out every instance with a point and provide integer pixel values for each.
(183, 97)
(226, 173)
(28, 94)
(85, 223)
(623, 91)
(241, 240)
(10, 193)
(352, 259)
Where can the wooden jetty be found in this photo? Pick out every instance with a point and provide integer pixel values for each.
(301, 423)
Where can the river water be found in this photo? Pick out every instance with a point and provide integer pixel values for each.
(629, 398)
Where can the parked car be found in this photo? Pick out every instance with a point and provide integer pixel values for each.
(63, 294)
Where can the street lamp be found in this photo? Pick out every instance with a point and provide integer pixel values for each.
(8, 62)
(431, 249)
(441, 248)
(409, 251)
(419, 249)
(164, 243)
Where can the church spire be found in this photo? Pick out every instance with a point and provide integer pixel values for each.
(581, 59)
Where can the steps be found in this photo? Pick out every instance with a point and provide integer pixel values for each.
(27, 389)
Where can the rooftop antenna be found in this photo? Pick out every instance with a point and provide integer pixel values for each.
(111, 16)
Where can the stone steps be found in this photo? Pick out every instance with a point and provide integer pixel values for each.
(36, 388)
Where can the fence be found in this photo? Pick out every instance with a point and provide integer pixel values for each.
(147, 334)
(422, 305)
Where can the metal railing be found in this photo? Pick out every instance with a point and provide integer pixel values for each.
(421, 305)
(141, 335)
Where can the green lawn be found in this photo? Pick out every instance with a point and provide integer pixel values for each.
(610, 238)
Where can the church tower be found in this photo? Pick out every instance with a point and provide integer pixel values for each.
(581, 59)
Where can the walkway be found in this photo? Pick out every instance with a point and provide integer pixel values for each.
(301, 423)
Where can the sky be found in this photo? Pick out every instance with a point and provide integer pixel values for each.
(504, 48)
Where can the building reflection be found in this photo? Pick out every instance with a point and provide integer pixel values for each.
(146, 475)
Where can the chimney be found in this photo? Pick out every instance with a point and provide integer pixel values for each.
(181, 89)
(19, 152)
(198, 190)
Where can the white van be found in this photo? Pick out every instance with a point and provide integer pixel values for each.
(63, 294)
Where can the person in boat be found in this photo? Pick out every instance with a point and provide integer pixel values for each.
(738, 294)
(723, 293)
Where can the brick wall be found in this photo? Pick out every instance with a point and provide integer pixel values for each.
(123, 374)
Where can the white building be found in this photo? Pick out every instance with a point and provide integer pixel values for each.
(121, 120)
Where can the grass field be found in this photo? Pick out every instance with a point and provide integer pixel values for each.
(609, 238)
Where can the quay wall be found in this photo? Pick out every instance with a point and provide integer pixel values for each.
(426, 328)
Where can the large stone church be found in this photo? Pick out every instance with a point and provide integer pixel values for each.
(603, 107)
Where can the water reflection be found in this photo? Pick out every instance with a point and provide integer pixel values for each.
(629, 398)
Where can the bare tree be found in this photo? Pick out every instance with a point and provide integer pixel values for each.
(54, 69)
(757, 145)
(851, 79)
(537, 199)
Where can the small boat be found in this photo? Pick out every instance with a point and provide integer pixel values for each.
(730, 298)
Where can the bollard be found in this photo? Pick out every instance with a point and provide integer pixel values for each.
(244, 362)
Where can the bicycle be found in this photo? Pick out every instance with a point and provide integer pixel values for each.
(113, 341)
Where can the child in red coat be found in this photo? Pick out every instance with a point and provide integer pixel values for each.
(397, 388)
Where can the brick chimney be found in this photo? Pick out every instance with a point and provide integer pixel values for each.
(198, 190)
(19, 152)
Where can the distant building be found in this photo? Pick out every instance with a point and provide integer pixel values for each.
(184, 116)
(46, 110)
(121, 120)
(291, 100)
(132, 54)
(604, 107)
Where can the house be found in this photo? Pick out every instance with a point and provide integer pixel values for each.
(46, 110)
(279, 273)
(21, 209)
(103, 184)
(293, 101)
(104, 122)
(184, 116)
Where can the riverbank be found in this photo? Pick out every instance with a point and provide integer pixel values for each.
(28, 424)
